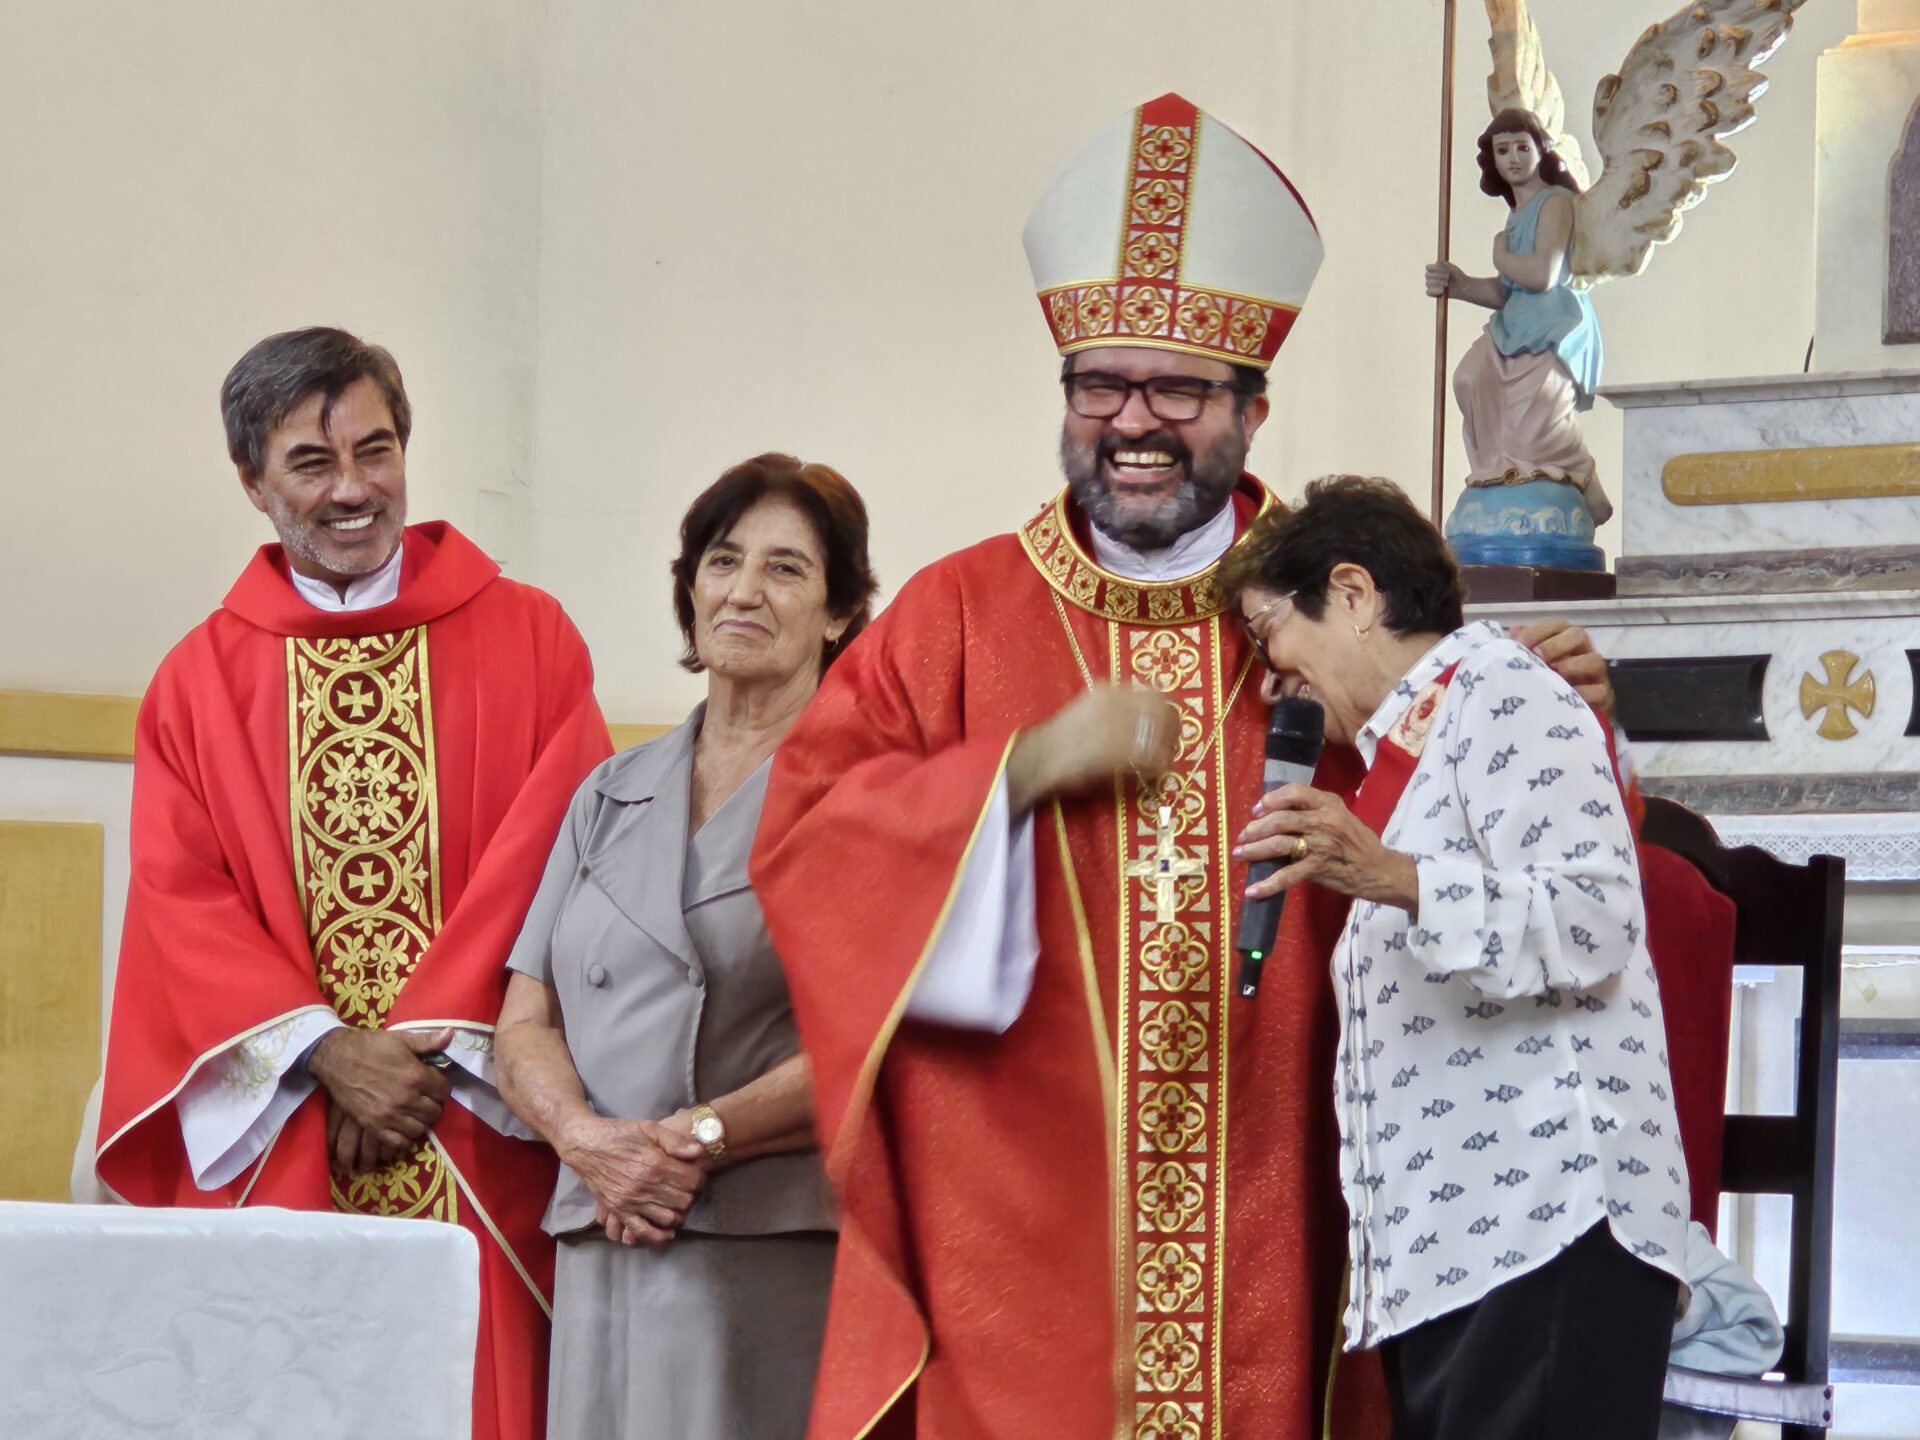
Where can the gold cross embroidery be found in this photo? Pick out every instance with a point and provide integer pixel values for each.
(1837, 696)
(1165, 869)
(357, 699)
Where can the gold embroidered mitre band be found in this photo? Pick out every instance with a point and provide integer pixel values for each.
(1170, 231)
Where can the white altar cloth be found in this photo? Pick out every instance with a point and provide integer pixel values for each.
(125, 1324)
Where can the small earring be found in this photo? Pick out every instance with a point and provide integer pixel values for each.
(1360, 634)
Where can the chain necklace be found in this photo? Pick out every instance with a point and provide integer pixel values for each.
(1219, 723)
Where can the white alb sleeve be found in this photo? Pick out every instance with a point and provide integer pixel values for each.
(475, 1086)
(981, 969)
(235, 1104)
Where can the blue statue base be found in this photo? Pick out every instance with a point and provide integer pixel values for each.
(1542, 523)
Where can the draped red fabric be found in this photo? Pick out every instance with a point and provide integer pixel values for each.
(1690, 932)
(216, 943)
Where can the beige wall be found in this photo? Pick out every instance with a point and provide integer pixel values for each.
(801, 229)
(617, 246)
(179, 179)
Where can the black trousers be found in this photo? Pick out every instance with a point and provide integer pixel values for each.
(1576, 1350)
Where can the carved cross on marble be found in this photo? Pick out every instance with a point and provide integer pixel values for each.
(1837, 696)
(1165, 869)
(1903, 239)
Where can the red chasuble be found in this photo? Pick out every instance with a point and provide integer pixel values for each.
(353, 810)
(1122, 1216)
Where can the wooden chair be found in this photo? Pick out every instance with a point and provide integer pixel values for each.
(1788, 916)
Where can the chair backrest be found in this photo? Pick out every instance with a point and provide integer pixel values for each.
(1789, 916)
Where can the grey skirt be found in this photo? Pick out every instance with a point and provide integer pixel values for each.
(712, 1337)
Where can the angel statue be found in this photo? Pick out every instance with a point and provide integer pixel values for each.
(1533, 496)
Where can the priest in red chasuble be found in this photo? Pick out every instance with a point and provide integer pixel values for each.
(346, 783)
(1086, 1191)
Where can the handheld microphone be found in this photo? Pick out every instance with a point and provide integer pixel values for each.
(1294, 736)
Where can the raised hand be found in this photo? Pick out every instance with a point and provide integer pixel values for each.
(1092, 738)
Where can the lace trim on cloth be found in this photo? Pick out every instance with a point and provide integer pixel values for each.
(1875, 847)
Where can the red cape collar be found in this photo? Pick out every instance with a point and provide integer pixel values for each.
(1055, 540)
(440, 570)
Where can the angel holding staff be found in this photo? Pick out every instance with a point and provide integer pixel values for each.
(1538, 360)
(1533, 496)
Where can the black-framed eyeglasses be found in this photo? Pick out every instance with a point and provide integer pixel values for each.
(1253, 635)
(1096, 395)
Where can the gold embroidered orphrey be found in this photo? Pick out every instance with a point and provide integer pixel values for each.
(1171, 1066)
(366, 856)
(1170, 1069)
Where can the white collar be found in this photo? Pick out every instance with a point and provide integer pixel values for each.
(364, 592)
(1427, 669)
(1189, 555)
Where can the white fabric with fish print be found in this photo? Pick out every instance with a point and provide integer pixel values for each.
(1503, 1081)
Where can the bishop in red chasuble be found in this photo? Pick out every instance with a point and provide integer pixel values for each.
(1121, 1215)
(341, 816)
(1114, 1211)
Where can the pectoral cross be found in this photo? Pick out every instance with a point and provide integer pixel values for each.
(1164, 869)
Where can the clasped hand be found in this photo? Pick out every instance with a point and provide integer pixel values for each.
(1326, 843)
(643, 1174)
(384, 1097)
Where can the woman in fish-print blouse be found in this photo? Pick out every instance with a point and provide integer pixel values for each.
(1509, 1150)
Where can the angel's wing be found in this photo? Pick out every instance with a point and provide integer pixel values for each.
(1521, 80)
(1686, 84)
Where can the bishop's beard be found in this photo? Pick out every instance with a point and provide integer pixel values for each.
(1206, 480)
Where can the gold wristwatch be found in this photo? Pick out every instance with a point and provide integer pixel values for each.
(710, 1130)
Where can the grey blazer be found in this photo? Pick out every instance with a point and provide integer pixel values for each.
(669, 991)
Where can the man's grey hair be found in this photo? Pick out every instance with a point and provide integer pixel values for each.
(277, 375)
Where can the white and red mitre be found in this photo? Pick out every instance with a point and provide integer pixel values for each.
(1170, 231)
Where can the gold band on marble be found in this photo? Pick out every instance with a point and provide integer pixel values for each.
(1817, 472)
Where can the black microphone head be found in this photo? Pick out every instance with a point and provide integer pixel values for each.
(1296, 731)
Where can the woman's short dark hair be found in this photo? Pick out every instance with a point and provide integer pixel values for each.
(833, 508)
(1553, 169)
(276, 376)
(1352, 520)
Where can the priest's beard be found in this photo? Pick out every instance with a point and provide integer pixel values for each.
(305, 537)
(1206, 480)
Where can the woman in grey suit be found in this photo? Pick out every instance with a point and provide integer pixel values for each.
(647, 1034)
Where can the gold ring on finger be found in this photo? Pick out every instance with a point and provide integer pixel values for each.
(1299, 847)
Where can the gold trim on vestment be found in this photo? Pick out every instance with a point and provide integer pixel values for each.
(1073, 575)
(461, 1186)
(869, 1075)
(186, 1079)
(259, 1167)
(366, 857)
(1090, 975)
(1223, 950)
(870, 1067)
(1171, 1062)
